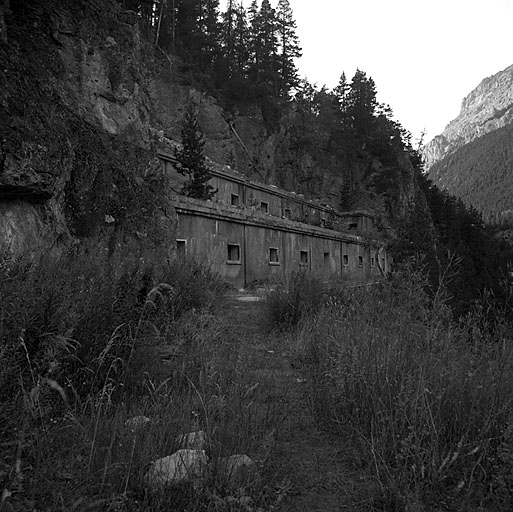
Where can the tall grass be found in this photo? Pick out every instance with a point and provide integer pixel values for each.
(297, 298)
(91, 340)
(429, 401)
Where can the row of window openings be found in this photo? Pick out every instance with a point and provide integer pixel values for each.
(264, 208)
(274, 257)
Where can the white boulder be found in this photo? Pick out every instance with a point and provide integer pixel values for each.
(184, 465)
(238, 471)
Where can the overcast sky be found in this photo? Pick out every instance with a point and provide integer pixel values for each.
(425, 56)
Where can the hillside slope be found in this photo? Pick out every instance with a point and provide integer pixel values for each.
(480, 173)
(487, 108)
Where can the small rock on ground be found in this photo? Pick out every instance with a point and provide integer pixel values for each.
(183, 465)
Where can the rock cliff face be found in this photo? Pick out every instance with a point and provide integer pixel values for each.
(487, 108)
(85, 104)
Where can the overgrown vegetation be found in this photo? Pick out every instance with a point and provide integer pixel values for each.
(427, 400)
(91, 340)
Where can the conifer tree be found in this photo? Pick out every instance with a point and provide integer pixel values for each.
(210, 30)
(361, 104)
(341, 91)
(289, 48)
(263, 45)
(191, 159)
(235, 39)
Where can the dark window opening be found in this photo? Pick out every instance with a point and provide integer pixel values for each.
(233, 253)
(373, 261)
(235, 200)
(323, 222)
(353, 226)
(345, 259)
(327, 260)
(303, 257)
(360, 261)
(287, 213)
(274, 257)
(264, 207)
(181, 248)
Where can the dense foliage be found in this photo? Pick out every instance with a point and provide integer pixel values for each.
(248, 53)
(455, 246)
(427, 400)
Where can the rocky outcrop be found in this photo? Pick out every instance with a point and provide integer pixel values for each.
(76, 141)
(488, 107)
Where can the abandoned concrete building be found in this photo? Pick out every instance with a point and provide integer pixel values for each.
(251, 232)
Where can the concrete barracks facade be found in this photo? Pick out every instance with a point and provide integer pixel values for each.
(252, 232)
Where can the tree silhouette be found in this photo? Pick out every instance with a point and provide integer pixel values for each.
(191, 159)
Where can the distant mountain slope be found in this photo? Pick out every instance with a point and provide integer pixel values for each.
(473, 157)
(481, 173)
(487, 108)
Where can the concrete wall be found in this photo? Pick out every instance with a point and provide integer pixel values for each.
(247, 247)
(280, 203)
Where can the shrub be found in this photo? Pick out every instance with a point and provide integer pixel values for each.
(287, 304)
(430, 401)
(149, 345)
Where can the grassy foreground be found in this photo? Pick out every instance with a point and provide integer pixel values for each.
(88, 342)
(427, 400)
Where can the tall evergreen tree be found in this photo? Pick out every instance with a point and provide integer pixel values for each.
(241, 42)
(289, 48)
(210, 30)
(191, 159)
(263, 45)
(361, 104)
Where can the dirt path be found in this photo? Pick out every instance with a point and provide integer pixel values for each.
(316, 465)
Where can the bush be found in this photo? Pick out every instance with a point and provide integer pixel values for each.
(89, 341)
(79, 320)
(287, 304)
(429, 401)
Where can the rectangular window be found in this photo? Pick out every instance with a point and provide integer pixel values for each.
(360, 261)
(287, 213)
(323, 222)
(233, 253)
(274, 256)
(345, 259)
(373, 261)
(181, 249)
(327, 260)
(353, 226)
(264, 207)
(303, 257)
(235, 200)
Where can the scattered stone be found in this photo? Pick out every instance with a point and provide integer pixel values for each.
(137, 423)
(238, 471)
(110, 41)
(182, 466)
(193, 440)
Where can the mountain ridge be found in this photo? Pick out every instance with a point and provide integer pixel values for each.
(486, 108)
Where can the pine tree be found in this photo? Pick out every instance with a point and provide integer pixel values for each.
(289, 48)
(263, 45)
(361, 104)
(341, 91)
(210, 30)
(241, 42)
(235, 39)
(191, 159)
